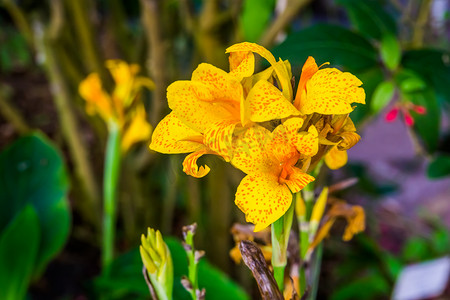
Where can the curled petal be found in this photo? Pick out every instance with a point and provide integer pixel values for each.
(298, 180)
(349, 139)
(330, 91)
(173, 136)
(284, 75)
(307, 143)
(242, 64)
(190, 166)
(265, 103)
(336, 158)
(262, 199)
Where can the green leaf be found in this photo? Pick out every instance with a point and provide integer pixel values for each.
(413, 84)
(32, 172)
(255, 17)
(19, 244)
(433, 66)
(369, 17)
(382, 96)
(327, 43)
(390, 51)
(372, 286)
(439, 167)
(426, 125)
(416, 249)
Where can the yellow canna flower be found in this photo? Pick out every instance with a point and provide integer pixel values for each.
(354, 214)
(268, 159)
(327, 91)
(122, 106)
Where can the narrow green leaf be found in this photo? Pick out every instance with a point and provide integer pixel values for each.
(19, 244)
(382, 96)
(369, 17)
(439, 167)
(327, 43)
(390, 51)
(412, 85)
(255, 17)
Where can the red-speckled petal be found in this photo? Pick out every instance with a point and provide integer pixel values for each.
(249, 153)
(219, 139)
(307, 143)
(262, 199)
(242, 64)
(265, 103)
(222, 86)
(192, 103)
(298, 180)
(170, 136)
(190, 166)
(330, 91)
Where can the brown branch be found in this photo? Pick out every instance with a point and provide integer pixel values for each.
(151, 19)
(283, 19)
(254, 259)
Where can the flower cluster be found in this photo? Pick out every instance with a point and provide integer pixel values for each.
(253, 121)
(121, 107)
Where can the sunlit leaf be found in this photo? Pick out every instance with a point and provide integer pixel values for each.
(382, 95)
(255, 18)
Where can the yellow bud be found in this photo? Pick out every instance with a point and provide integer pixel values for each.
(300, 208)
(147, 260)
(319, 207)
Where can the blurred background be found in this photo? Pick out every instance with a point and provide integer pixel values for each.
(51, 164)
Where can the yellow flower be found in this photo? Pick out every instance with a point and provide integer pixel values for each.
(268, 159)
(336, 158)
(354, 214)
(327, 91)
(121, 106)
(214, 104)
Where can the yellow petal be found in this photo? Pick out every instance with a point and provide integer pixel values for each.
(97, 100)
(262, 199)
(355, 224)
(283, 74)
(336, 158)
(330, 91)
(249, 153)
(319, 207)
(192, 103)
(219, 139)
(138, 130)
(242, 64)
(298, 180)
(265, 103)
(173, 136)
(222, 86)
(190, 166)
(308, 70)
(307, 143)
(321, 234)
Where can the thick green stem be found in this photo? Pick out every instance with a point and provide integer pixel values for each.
(280, 237)
(316, 272)
(110, 180)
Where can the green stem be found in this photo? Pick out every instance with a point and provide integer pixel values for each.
(316, 271)
(280, 237)
(110, 180)
(192, 265)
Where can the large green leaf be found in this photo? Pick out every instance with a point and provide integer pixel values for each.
(439, 167)
(32, 172)
(255, 18)
(327, 43)
(19, 244)
(369, 17)
(125, 279)
(433, 66)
